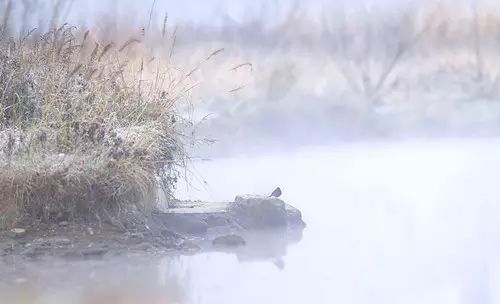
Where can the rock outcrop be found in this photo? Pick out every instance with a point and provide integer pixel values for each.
(259, 212)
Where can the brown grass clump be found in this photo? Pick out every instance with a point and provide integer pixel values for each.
(82, 130)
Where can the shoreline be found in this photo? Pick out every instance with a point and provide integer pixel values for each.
(186, 228)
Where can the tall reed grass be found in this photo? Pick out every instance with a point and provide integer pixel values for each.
(86, 130)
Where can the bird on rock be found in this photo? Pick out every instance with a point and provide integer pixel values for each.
(276, 192)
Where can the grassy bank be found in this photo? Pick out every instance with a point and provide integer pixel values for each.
(84, 131)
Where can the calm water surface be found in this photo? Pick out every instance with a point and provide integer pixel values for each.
(412, 222)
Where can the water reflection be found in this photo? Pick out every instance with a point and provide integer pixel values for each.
(269, 246)
(136, 279)
(124, 280)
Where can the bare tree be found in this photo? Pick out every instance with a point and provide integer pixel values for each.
(368, 61)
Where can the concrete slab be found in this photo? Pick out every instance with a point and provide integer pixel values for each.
(192, 207)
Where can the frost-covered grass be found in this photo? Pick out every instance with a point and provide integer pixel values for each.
(84, 130)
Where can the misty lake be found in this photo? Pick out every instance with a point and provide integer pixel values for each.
(393, 222)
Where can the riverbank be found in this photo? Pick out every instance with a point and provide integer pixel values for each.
(186, 228)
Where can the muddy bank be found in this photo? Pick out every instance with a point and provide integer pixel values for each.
(185, 228)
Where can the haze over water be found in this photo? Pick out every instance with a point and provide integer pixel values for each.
(410, 222)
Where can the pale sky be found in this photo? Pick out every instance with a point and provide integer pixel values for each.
(195, 11)
(208, 12)
(211, 11)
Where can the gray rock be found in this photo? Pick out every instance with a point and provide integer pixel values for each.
(216, 220)
(294, 216)
(17, 233)
(185, 223)
(189, 246)
(195, 226)
(59, 242)
(144, 246)
(94, 252)
(72, 254)
(135, 235)
(34, 252)
(53, 242)
(230, 240)
(256, 211)
(171, 235)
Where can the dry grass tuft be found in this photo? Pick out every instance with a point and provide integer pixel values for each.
(82, 131)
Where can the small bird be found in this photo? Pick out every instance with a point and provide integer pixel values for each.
(276, 192)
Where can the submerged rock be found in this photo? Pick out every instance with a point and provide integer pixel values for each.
(230, 240)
